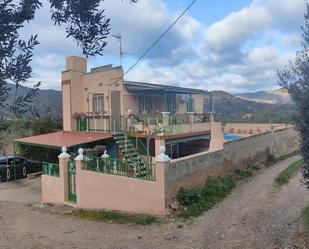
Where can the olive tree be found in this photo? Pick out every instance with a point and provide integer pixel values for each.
(295, 78)
(84, 21)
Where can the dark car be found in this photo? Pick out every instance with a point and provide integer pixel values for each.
(23, 168)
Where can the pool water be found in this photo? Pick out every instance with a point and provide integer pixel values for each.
(231, 137)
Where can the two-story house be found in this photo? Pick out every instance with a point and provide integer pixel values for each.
(102, 101)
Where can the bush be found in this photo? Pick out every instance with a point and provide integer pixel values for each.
(115, 217)
(198, 200)
(285, 175)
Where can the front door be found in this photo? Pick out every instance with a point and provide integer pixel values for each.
(115, 111)
(72, 181)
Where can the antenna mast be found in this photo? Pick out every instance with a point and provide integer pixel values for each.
(121, 53)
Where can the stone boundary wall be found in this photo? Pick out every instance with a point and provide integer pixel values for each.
(192, 171)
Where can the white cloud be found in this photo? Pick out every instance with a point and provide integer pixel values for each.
(238, 53)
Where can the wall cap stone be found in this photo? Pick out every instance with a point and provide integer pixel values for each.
(64, 153)
(80, 156)
(162, 157)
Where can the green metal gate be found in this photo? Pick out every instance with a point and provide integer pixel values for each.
(72, 181)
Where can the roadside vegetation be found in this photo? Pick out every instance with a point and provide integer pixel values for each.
(194, 202)
(28, 127)
(271, 160)
(115, 217)
(306, 217)
(285, 175)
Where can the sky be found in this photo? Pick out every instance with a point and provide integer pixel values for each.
(231, 45)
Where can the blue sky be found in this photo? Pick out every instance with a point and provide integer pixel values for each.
(231, 45)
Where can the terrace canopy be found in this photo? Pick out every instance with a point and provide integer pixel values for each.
(62, 138)
(163, 93)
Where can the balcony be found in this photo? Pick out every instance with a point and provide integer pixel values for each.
(163, 124)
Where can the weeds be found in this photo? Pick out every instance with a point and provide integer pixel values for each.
(197, 201)
(115, 217)
(306, 217)
(285, 175)
(271, 160)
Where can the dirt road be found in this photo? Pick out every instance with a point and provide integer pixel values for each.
(253, 216)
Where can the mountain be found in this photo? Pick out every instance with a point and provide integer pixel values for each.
(230, 108)
(280, 96)
(47, 102)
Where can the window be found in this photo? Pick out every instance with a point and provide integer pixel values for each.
(98, 104)
(144, 104)
(190, 105)
(171, 103)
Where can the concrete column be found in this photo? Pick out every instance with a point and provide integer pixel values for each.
(158, 144)
(63, 173)
(78, 167)
(165, 118)
(162, 163)
(211, 117)
(191, 117)
(191, 120)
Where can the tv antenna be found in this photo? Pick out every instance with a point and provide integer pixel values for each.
(121, 53)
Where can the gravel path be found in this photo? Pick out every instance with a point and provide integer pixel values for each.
(255, 215)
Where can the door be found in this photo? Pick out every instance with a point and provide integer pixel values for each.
(81, 124)
(115, 111)
(72, 181)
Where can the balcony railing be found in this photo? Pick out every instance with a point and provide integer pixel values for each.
(158, 123)
(122, 167)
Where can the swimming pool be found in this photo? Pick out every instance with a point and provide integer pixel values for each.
(230, 137)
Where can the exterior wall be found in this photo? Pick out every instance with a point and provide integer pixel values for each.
(54, 189)
(102, 83)
(66, 107)
(78, 88)
(192, 171)
(131, 102)
(198, 103)
(100, 191)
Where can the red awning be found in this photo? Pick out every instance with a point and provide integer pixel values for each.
(63, 138)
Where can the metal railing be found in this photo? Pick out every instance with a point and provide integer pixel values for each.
(108, 124)
(51, 169)
(122, 167)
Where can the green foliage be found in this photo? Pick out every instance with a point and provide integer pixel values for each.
(85, 22)
(197, 201)
(294, 78)
(32, 127)
(306, 217)
(285, 175)
(116, 217)
(271, 160)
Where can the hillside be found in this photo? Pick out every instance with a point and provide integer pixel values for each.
(48, 101)
(279, 96)
(229, 108)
